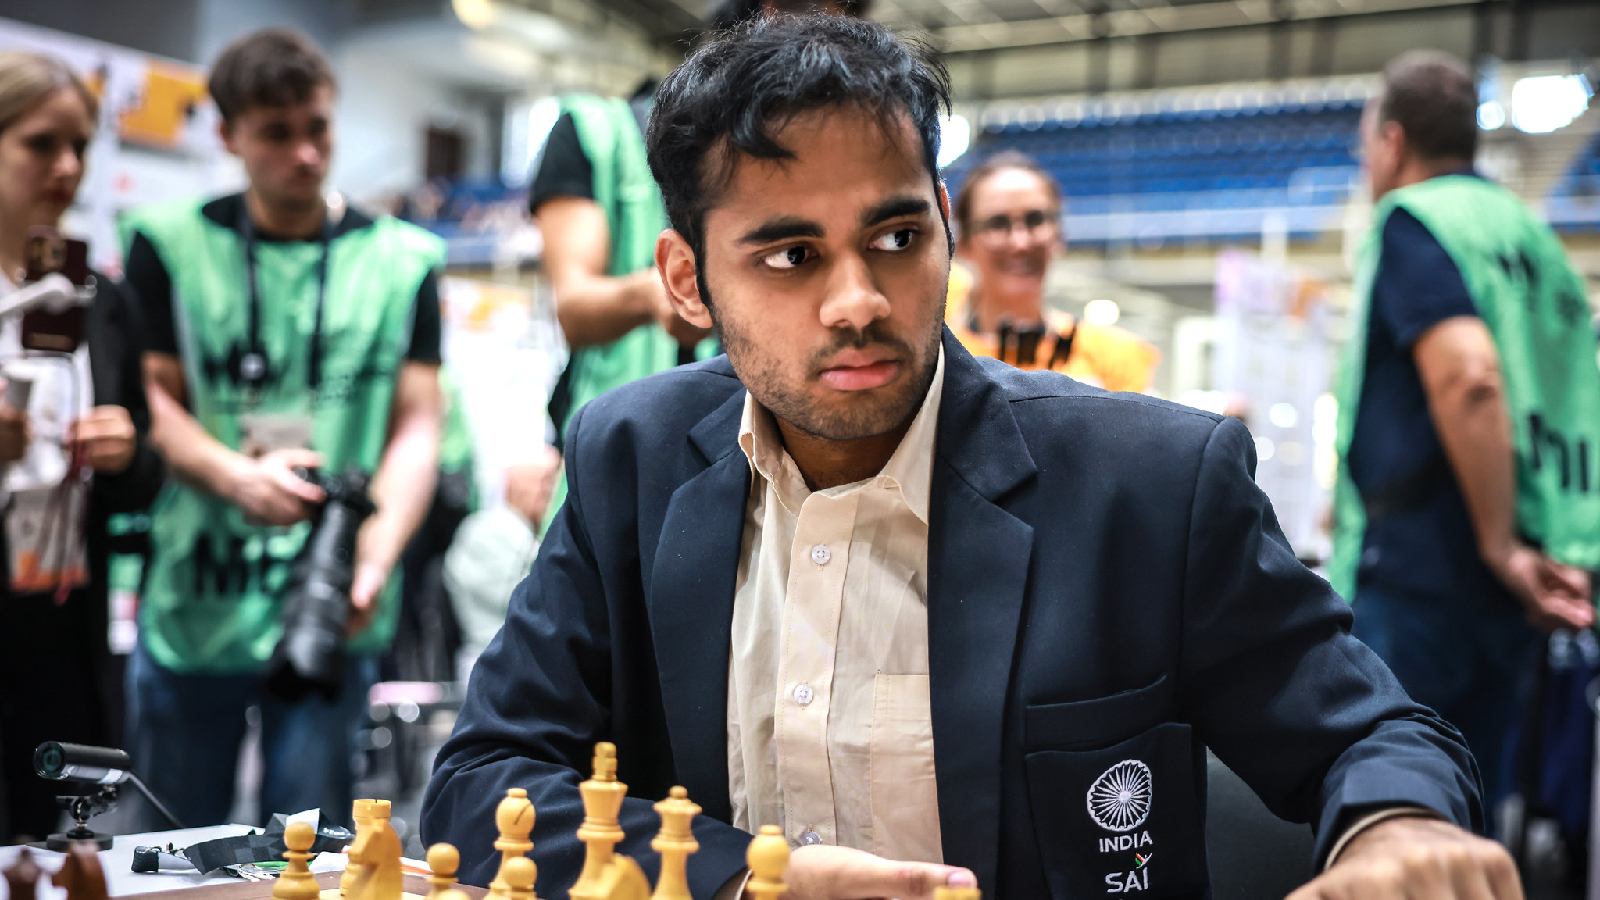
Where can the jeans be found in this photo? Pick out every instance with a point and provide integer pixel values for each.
(1465, 658)
(185, 731)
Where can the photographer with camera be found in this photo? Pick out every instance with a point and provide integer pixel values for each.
(294, 351)
(84, 410)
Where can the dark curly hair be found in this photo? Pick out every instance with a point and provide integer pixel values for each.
(734, 94)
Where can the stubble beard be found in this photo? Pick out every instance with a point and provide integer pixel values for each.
(848, 420)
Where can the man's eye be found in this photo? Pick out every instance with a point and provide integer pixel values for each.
(42, 144)
(275, 135)
(787, 258)
(895, 240)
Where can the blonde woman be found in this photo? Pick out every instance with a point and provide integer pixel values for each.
(86, 415)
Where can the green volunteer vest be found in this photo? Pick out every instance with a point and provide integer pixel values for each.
(636, 216)
(455, 436)
(1534, 305)
(212, 598)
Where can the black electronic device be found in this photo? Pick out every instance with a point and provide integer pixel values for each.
(58, 331)
(316, 608)
(96, 772)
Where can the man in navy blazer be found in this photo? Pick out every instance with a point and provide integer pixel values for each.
(1107, 591)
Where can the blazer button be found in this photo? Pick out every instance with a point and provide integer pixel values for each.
(810, 839)
(820, 554)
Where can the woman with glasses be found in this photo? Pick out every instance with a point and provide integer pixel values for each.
(1008, 219)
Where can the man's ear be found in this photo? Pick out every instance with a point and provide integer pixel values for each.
(1394, 141)
(949, 226)
(678, 268)
(225, 132)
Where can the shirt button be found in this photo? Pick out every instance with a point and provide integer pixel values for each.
(810, 838)
(820, 554)
(804, 694)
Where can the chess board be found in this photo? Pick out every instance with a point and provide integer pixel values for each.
(413, 887)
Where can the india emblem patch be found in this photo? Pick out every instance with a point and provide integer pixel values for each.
(1119, 800)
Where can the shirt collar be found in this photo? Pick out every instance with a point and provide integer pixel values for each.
(909, 470)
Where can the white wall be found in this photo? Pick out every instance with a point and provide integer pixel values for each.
(384, 111)
(219, 22)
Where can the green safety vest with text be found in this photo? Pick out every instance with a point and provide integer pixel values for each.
(214, 590)
(635, 216)
(1535, 306)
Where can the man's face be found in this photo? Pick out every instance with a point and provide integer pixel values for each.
(1382, 144)
(285, 149)
(827, 274)
(1015, 230)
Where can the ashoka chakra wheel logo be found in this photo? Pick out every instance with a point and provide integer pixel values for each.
(1119, 800)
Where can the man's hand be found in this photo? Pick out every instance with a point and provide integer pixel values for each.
(370, 579)
(14, 434)
(1555, 595)
(269, 492)
(682, 331)
(1415, 858)
(104, 438)
(840, 873)
(529, 484)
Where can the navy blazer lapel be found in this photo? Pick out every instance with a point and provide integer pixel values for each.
(978, 557)
(691, 606)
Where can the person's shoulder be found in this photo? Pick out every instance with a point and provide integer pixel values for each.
(568, 102)
(665, 405)
(1054, 411)
(391, 233)
(156, 219)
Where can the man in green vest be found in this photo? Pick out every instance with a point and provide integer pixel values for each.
(600, 213)
(1469, 508)
(285, 332)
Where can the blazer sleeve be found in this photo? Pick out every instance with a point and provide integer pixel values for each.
(1263, 633)
(114, 358)
(535, 706)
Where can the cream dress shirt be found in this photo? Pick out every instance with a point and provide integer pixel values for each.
(830, 735)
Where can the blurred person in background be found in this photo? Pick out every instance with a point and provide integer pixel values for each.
(1009, 220)
(53, 620)
(427, 635)
(1469, 418)
(286, 332)
(600, 213)
(493, 551)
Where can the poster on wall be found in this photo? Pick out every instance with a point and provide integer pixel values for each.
(156, 137)
(1275, 355)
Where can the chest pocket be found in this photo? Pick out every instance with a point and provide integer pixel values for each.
(1120, 819)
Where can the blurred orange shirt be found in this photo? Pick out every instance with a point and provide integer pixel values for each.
(1104, 356)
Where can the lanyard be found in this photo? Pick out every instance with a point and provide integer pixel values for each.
(253, 366)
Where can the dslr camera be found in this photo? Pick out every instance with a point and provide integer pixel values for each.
(310, 655)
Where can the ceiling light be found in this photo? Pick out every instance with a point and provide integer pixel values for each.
(475, 14)
(1102, 312)
(1544, 103)
(1491, 115)
(955, 135)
